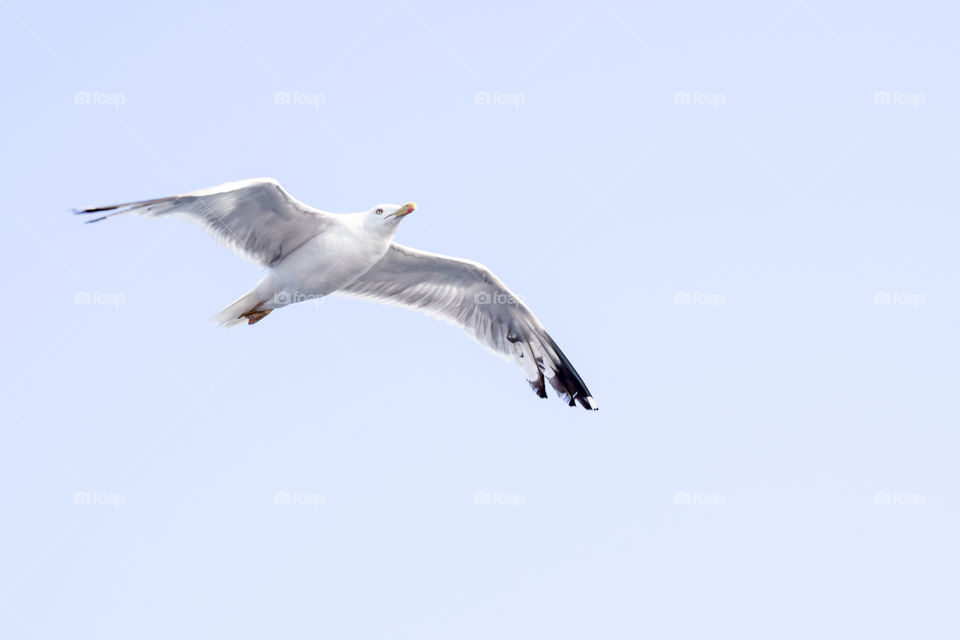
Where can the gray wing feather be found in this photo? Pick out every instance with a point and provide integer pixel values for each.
(471, 296)
(255, 218)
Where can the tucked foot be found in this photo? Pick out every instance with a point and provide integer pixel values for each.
(256, 314)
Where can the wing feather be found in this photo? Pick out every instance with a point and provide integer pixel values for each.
(471, 296)
(255, 218)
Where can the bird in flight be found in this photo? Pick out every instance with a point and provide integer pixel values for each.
(310, 253)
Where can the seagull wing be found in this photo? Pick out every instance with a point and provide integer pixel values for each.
(467, 294)
(255, 218)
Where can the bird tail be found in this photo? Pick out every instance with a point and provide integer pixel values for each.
(234, 313)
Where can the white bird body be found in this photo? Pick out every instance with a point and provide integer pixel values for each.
(310, 253)
(345, 255)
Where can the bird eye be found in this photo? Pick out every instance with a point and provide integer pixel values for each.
(379, 211)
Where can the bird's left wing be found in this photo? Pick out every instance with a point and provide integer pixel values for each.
(255, 218)
(469, 295)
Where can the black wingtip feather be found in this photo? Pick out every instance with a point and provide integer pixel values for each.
(84, 212)
(81, 212)
(568, 383)
(538, 388)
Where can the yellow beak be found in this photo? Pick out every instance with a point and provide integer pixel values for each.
(406, 209)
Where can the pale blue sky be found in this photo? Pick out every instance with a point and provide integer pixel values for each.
(738, 219)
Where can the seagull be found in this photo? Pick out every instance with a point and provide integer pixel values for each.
(310, 254)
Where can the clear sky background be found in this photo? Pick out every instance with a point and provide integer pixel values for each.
(738, 219)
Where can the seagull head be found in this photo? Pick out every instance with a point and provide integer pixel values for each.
(388, 215)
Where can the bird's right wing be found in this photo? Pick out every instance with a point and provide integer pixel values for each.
(469, 295)
(255, 218)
